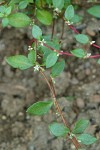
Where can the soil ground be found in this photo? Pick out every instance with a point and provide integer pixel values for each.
(19, 89)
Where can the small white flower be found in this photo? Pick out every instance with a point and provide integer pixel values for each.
(71, 135)
(29, 48)
(32, 23)
(42, 42)
(53, 80)
(87, 55)
(57, 114)
(79, 141)
(92, 42)
(57, 10)
(36, 68)
(69, 23)
(58, 54)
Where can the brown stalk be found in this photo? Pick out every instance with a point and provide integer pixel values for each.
(52, 89)
(63, 23)
(53, 29)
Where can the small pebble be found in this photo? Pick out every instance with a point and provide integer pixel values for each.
(80, 103)
(4, 117)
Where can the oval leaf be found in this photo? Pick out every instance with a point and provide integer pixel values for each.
(49, 2)
(58, 129)
(19, 61)
(2, 9)
(95, 11)
(86, 139)
(58, 68)
(32, 56)
(8, 10)
(69, 13)
(98, 61)
(80, 126)
(76, 19)
(78, 53)
(44, 16)
(40, 108)
(5, 22)
(36, 32)
(1, 15)
(82, 38)
(23, 4)
(51, 60)
(19, 20)
(58, 4)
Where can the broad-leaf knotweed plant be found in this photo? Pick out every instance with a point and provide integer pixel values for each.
(47, 48)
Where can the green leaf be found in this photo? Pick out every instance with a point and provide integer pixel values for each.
(23, 4)
(30, 1)
(1, 15)
(36, 32)
(76, 19)
(98, 61)
(12, 4)
(5, 22)
(44, 16)
(58, 68)
(39, 4)
(78, 53)
(51, 59)
(80, 126)
(19, 61)
(32, 56)
(82, 38)
(2, 9)
(54, 43)
(40, 108)
(19, 20)
(46, 52)
(95, 11)
(58, 129)
(58, 4)
(86, 139)
(67, 1)
(16, 1)
(8, 10)
(49, 2)
(69, 13)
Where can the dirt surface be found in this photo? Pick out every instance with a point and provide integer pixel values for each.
(20, 89)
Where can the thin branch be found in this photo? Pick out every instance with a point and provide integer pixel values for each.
(53, 95)
(63, 23)
(95, 56)
(97, 46)
(52, 89)
(53, 28)
(58, 107)
(76, 31)
(61, 52)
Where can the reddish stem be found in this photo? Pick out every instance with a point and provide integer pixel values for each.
(66, 53)
(74, 29)
(77, 32)
(95, 56)
(31, 41)
(48, 46)
(61, 52)
(95, 45)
